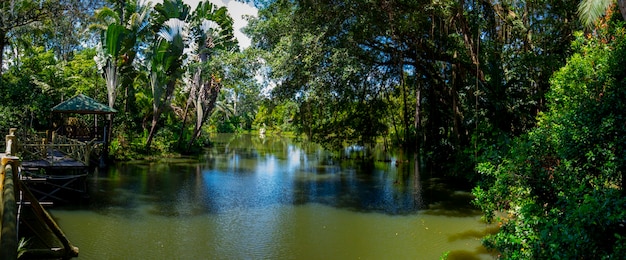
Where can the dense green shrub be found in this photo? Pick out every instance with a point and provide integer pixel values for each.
(558, 191)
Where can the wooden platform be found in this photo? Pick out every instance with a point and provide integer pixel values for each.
(43, 164)
(55, 160)
(57, 178)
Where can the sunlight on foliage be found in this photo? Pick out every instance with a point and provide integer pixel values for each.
(558, 191)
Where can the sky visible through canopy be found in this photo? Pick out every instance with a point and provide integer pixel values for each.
(237, 11)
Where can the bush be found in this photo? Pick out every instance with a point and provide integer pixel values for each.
(557, 192)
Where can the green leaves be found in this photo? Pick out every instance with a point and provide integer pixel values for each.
(562, 183)
(114, 35)
(591, 10)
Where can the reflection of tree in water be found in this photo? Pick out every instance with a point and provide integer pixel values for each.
(235, 174)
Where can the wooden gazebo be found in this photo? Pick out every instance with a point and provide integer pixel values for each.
(84, 105)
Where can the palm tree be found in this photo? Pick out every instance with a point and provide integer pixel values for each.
(167, 56)
(122, 30)
(188, 41)
(590, 11)
(166, 68)
(212, 33)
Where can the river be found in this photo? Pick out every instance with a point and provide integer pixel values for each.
(249, 197)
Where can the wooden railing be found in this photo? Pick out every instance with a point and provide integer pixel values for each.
(32, 145)
(8, 207)
(78, 150)
(13, 188)
(40, 147)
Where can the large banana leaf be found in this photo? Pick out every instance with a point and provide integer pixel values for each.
(114, 34)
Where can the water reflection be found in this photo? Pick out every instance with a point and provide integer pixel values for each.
(272, 198)
(282, 173)
(273, 171)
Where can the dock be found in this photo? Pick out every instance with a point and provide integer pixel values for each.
(55, 167)
(22, 213)
(38, 171)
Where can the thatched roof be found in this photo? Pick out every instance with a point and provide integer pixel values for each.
(81, 104)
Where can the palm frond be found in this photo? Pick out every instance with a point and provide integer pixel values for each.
(139, 19)
(107, 15)
(590, 11)
(172, 28)
(209, 26)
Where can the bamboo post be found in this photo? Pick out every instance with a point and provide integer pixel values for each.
(8, 210)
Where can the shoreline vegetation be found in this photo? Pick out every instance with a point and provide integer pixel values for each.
(522, 100)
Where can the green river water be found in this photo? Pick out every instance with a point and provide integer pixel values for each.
(272, 198)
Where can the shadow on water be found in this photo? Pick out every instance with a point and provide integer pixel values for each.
(451, 203)
(469, 255)
(474, 234)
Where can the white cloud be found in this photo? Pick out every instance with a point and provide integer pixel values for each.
(237, 11)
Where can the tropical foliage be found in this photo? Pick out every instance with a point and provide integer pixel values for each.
(559, 190)
(524, 89)
(438, 76)
(162, 66)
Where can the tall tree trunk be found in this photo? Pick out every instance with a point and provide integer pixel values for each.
(207, 98)
(622, 8)
(153, 126)
(192, 96)
(393, 119)
(418, 120)
(454, 96)
(184, 124)
(158, 110)
(3, 43)
(405, 108)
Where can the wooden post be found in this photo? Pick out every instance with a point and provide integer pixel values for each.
(8, 237)
(11, 142)
(44, 217)
(43, 149)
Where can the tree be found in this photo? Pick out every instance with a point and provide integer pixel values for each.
(561, 185)
(122, 31)
(32, 87)
(212, 33)
(165, 68)
(323, 68)
(19, 14)
(437, 74)
(66, 33)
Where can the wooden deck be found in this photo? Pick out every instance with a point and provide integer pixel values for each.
(18, 201)
(57, 177)
(54, 160)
